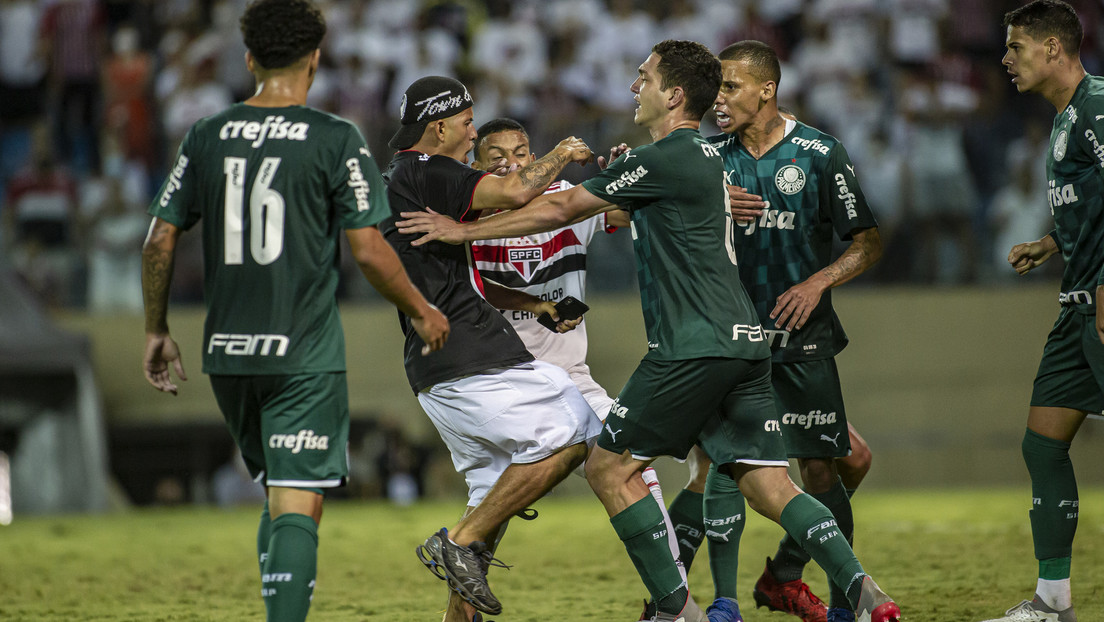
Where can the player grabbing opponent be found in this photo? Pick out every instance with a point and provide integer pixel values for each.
(706, 377)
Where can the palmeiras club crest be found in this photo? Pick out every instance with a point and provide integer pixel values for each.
(525, 259)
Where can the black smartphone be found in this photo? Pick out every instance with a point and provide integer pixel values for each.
(569, 308)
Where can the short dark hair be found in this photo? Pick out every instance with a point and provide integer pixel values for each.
(280, 32)
(761, 58)
(1045, 18)
(693, 67)
(495, 126)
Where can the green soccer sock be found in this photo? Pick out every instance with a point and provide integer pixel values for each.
(814, 527)
(287, 578)
(1054, 503)
(789, 561)
(724, 524)
(642, 528)
(686, 517)
(839, 504)
(264, 534)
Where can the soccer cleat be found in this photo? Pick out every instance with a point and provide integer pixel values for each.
(875, 605)
(724, 610)
(463, 567)
(839, 614)
(691, 612)
(792, 597)
(1036, 610)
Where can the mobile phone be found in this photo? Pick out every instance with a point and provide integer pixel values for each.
(569, 308)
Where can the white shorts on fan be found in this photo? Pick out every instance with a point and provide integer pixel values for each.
(516, 415)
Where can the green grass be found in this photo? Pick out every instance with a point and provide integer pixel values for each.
(950, 556)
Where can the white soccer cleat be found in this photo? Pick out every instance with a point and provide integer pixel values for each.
(1036, 610)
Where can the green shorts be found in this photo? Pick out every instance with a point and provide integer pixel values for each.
(292, 430)
(724, 405)
(1071, 374)
(810, 407)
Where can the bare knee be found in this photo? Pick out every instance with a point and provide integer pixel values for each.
(853, 469)
(283, 500)
(819, 475)
(699, 464)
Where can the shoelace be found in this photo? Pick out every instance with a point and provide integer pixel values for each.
(486, 558)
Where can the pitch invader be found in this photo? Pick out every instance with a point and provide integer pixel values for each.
(1044, 42)
(809, 191)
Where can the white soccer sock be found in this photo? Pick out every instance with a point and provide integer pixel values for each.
(652, 481)
(1056, 594)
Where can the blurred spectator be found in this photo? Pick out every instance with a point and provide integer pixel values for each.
(40, 214)
(74, 36)
(1019, 212)
(943, 198)
(22, 83)
(198, 95)
(510, 55)
(115, 226)
(128, 113)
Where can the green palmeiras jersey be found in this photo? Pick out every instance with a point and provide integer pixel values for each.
(274, 188)
(694, 306)
(809, 184)
(1075, 176)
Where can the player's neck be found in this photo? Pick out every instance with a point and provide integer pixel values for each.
(758, 137)
(276, 91)
(1059, 90)
(671, 123)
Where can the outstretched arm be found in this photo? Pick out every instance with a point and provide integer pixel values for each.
(795, 304)
(516, 188)
(383, 269)
(158, 253)
(545, 213)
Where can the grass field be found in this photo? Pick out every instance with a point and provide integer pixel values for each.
(962, 555)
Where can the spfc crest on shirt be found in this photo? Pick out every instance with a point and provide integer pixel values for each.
(525, 259)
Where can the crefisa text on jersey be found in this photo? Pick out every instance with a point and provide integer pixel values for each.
(272, 127)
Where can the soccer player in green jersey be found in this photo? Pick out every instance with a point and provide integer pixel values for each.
(1044, 42)
(809, 190)
(274, 183)
(706, 377)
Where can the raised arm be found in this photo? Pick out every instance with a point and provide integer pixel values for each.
(795, 304)
(518, 187)
(545, 213)
(383, 269)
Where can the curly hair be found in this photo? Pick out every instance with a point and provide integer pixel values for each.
(1044, 18)
(693, 67)
(280, 32)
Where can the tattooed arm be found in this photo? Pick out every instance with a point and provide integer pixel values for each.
(795, 304)
(525, 184)
(157, 267)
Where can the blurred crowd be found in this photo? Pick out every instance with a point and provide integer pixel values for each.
(95, 96)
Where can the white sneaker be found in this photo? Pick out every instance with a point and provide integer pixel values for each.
(691, 612)
(1036, 611)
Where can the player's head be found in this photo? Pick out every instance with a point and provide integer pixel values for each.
(282, 34)
(677, 74)
(749, 86)
(502, 139)
(436, 114)
(1042, 37)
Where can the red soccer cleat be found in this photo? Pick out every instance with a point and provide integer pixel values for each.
(875, 605)
(792, 597)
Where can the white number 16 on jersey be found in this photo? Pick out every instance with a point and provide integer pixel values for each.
(266, 214)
